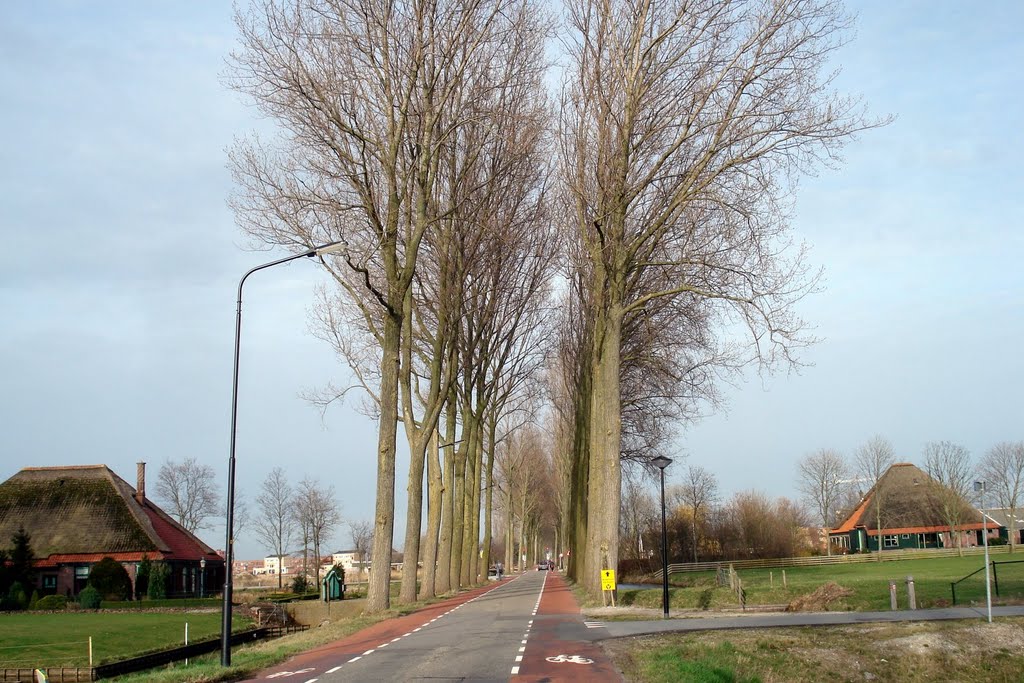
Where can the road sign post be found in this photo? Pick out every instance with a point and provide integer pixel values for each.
(608, 584)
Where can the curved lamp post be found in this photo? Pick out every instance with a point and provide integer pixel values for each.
(661, 462)
(225, 634)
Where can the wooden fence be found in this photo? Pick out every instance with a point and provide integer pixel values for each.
(821, 561)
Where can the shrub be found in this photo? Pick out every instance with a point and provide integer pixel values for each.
(52, 602)
(33, 600)
(142, 577)
(17, 596)
(157, 589)
(89, 598)
(300, 584)
(110, 579)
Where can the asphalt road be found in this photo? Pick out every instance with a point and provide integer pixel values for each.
(516, 630)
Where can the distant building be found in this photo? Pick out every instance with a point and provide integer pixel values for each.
(75, 516)
(910, 517)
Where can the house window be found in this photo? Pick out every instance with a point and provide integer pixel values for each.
(50, 581)
(906, 535)
(81, 572)
(892, 541)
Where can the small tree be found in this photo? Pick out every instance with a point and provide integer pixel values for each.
(22, 558)
(142, 577)
(89, 598)
(157, 588)
(110, 578)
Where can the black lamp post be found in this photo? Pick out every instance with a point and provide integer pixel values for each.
(225, 634)
(661, 462)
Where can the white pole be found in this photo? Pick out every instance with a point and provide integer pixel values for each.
(186, 640)
(90, 652)
(982, 486)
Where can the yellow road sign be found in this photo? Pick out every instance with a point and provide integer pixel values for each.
(607, 579)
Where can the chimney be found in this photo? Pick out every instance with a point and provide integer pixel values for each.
(140, 486)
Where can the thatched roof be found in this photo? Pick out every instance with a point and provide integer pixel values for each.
(909, 505)
(89, 510)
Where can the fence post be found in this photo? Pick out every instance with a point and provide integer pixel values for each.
(995, 577)
(784, 579)
(892, 594)
(952, 587)
(911, 597)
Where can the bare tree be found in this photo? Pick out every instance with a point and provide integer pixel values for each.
(318, 514)
(362, 541)
(684, 127)
(699, 491)
(949, 466)
(1002, 468)
(820, 479)
(370, 97)
(274, 521)
(189, 489)
(873, 460)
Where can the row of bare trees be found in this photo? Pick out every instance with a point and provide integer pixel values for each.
(702, 528)
(833, 486)
(658, 179)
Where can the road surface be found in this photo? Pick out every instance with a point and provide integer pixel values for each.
(526, 629)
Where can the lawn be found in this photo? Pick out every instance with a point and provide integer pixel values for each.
(869, 582)
(922, 652)
(62, 638)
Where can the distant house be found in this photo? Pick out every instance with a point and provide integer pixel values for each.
(1001, 516)
(910, 517)
(76, 516)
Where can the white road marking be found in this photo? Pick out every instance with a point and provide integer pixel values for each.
(416, 629)
(330, 671)
(519, 658)
(522, 649)
(395, 640)
(313, 680)
(352, 660)
(368, 652)
(383, 645)
(515, 670)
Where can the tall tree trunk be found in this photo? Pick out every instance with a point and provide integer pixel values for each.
(435, 490)
(458, 515)
(443, 581)
(378, 596)
(413, 520)
(605, 444)
(489, 501)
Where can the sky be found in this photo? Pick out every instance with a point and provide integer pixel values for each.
(121, 259)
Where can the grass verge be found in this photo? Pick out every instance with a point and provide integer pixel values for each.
(965, 651)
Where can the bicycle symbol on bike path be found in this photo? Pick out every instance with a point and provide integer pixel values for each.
(571, 659)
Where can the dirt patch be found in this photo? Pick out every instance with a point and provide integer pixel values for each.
(821, 599)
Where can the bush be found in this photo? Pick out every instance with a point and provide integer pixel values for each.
(142, 577)
(89, 598)
(110, 579)
(157, 589)
(33, 600)
(300, 584)
(17, 597)
(52, 602)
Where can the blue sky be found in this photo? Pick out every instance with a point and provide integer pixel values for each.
(121, 258)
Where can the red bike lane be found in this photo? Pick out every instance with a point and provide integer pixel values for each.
(327, 658)
(557, 648)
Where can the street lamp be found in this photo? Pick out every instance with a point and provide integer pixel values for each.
(202, 577)
(225, 634)
(661, 462)
(979, 486)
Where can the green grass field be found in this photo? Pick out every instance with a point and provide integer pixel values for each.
(62, 639)
(869, 582)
